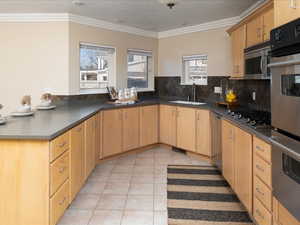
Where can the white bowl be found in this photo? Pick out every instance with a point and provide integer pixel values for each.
(45, 103)
(24, 109)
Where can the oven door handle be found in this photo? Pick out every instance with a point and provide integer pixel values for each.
(286, 147)
(285, 63)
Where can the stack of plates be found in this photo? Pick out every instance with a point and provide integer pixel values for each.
(42, 107)
(21, 114)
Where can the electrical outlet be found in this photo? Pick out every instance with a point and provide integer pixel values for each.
(218, 90)
(253, 95)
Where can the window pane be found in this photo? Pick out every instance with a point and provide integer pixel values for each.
(194, 68)
(95, 65)
(138, 71)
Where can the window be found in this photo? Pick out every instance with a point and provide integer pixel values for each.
(139, 68)
(194, 69)
(96, 66)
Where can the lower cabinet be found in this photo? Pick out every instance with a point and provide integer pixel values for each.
(90, 145)
(168, 125)
(281, 216)
(237, 161)
(131, 128)
(77, 155)
(186, 127)
(112, 132)
(148, 125)
(203, 132)
(98, 136)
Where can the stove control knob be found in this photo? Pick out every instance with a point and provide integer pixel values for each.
(278, 35)
(253, 123)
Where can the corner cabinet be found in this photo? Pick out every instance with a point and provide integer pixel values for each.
(238, 39)
(148, 125)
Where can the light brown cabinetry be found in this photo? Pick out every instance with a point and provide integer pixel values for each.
(228, 151)
(90, 145)
(286, 11)
(98, 134)
(131, 128)
(255, 31)
(203, 132)
(76, 160)
(238, 40)
(186, 127)
(243, 167)
(268, 23)
(281, 216)
(237, 161)
(168, 124)
(148, 125)
(112, 132)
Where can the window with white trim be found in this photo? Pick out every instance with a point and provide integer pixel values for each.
(194, 69)
(139, 64)
(97, 66)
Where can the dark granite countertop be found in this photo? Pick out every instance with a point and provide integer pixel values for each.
(46, 125)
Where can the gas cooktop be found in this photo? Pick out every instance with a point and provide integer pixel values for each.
(254, 118)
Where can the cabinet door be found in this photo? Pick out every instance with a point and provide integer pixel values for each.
(90, 145)
(186, 128)
(167, 125)
(238, 38)
(228, 152)
(203, 137)
(112, 132)
(130, 128)
(98, 134)
(76, 160)
(268, 23)
(243, 167)
(148, 125)
(254, 31)
(286, 11)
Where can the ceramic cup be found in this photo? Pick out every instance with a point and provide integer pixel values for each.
(24, 109)
(45, 103)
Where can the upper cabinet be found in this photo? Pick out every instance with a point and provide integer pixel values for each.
(268, 23)
(286, 11)
(238, 38)
(254, 31)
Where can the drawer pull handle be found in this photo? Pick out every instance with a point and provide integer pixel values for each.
(260, 149)
(62, 201)
(62, 144)
(259, 168)
(259, 214)
(259, 191)
(62, 169)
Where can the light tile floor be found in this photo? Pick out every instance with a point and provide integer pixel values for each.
(128, 190)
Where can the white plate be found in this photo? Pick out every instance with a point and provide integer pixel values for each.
(20, 114)
(41, 107)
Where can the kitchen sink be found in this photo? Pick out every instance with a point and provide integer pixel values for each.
(188, 103)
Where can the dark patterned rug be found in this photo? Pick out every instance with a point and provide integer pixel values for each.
(199, 195)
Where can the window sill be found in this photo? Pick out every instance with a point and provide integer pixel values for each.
(93, 91)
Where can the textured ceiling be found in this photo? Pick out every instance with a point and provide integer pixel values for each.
(144, 14)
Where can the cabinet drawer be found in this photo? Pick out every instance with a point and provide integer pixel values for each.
(263, 193)
(59, 145)
(59, 203)
(261, 214)
(59, 172)
(262, 149)
(263, 170)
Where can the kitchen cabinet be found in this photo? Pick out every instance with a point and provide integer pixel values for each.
(203, 132)
(131, 128)
(268, 23)
(186, 128)
(243, 166)
(76, 160)
(228, 152)
(98, 134)
(238, 39)
(286, 11)
(168, 124)
(237, 161)
(148, 125)
(281, 215)
(90, 145)
(112, 132)
(255, 31)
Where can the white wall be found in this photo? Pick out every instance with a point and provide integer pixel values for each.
(215, 43)
(33, 56)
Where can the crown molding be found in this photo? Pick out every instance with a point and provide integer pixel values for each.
(252, 8)
(200, 27)
(67, 17)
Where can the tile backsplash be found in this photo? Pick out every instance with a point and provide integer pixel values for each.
(170, 87)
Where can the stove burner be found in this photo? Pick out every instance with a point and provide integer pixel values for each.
(254, 118)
